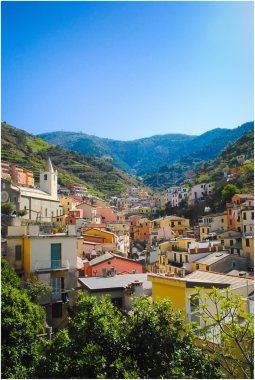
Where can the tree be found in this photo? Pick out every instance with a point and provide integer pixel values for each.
(22, 323)
(228, 334)
(7, 208)
(101, 342)
(228, 191)
(22, 212)
(36, 289)
(161, 344)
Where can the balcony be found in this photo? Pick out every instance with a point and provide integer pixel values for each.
(59, 296)
(44, 266)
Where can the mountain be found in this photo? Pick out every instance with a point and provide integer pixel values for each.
(215, 142)
(145, 156)
(27, 150)
(238, 156)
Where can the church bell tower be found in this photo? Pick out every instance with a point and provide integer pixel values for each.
(49, 180)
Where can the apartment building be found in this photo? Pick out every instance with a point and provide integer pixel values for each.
(51, 259)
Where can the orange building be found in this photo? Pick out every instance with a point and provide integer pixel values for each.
(19, 175)
(233, 210)
(5, 170)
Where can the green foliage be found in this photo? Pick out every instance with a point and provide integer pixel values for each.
(22, 212)
(203, 178)
(147, 155)
(22, 322)
(229, 335)
(99, 176)
(8, 275)
(35, 289)
(100, 342)
(7, 208)
(228, 191)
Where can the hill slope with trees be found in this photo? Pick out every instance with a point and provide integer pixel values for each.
(145, 156)
(27, 150)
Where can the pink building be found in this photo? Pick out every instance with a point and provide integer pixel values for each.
(106, 214)
(109, 262)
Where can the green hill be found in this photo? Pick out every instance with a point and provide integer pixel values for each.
(145, 156)
(188, 165)
(99, 175)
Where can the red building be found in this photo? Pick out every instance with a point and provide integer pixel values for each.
(110, 264)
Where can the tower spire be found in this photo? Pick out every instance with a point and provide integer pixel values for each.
(49, 167)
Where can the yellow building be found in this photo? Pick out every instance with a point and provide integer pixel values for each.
(181, 291)
(110, 237)
(68, 204)
(248, 249)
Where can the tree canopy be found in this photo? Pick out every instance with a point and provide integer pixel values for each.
(22, 323)
(101, 342)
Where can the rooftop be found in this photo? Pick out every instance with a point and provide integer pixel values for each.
(213, 258)
(233, 281)
(115, 282)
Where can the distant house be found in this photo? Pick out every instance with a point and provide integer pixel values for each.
(199, 191)
(109, 264)
(210, 223)
(222, 262)
(121, 288)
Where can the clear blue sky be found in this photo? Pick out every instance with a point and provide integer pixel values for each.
(127, 70)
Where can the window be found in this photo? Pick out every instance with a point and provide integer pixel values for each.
(55, 255)
(197, 266)
(57, 310)
(244, 228)
(192, 307)
(244, 216)
(186, 258)
(238, 251)
(17, 252)
(207, 267)
(179, 223)
(252, 215)
(231, 242)
(208, 230)
(45, 177)
(203, 230)
(46, 211)
(230, 222)
(222, 242)
(174, 256)
(247, 242)
(181, 259)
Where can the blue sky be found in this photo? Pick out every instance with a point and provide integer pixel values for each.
(127, 70)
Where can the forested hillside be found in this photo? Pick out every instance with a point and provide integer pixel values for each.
(145, 156)
(187, 167)
(98, 175)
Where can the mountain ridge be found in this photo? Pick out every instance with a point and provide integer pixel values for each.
(27, 150)
(145, 156)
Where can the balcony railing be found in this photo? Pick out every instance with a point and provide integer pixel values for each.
(51, 265)
(59, 296)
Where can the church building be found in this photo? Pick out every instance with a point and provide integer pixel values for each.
(41, 204)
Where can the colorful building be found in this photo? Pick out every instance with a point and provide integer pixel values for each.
(110, 264)
(50, 259)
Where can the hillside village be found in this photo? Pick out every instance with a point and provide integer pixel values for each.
(65, 237)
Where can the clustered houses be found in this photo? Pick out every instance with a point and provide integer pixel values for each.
(19, 175)
(176, 194)
(119, 248)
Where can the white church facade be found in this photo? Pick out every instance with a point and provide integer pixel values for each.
(41, 204)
